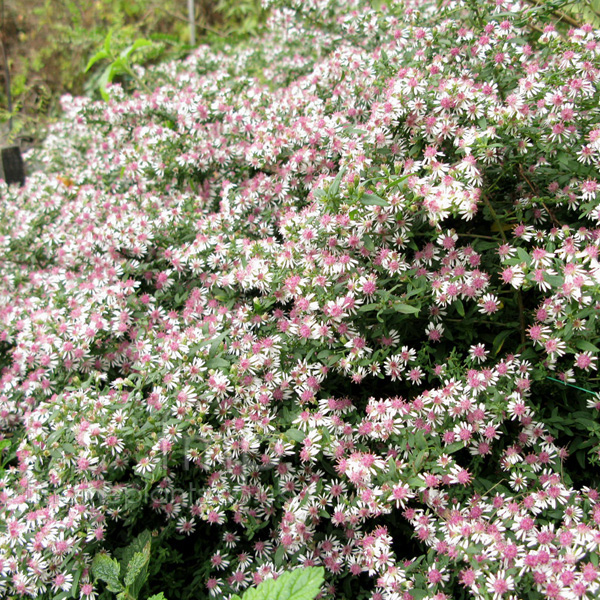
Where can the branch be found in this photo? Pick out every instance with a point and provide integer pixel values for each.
(557, 13)
(495, 217)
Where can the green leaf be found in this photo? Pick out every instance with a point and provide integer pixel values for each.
(136, 564)
(369, 307)
(368, 242)
(554, 280)
(103, 82)
(454, 447)
(107, 569)
(139, 43)
(373, 200)
(107, 41)
(117, 67)
(460, 309)
(354, 131)
(217, 363)
(139, 544)
(279, 554)
(586, 346)
(101, 54)
(523, 255)
(392, 470)
(160, 596)
(300, 584)
(296, 434)
(335, 186)
(406, 309)
(75, 585)
(499, 341)
(215, 344)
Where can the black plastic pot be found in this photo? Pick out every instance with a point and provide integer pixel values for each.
(12, 169)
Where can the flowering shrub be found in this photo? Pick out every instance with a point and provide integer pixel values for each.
(330, 300)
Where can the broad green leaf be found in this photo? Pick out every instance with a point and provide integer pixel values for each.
(368, 242)
(454, 447)
(523, 255)
(136, 564)
(107, 569)
(300, 584)
(296, 434)
(554, 280)
(217, 363)
(354, 131)
(460, 309)
(160, 596)
(139, 544)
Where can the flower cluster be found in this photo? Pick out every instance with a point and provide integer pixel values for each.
(326, 299)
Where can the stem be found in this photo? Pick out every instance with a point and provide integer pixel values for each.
(192, 21)
(557, 13)
(174, 15)
(139, 81)
(535, 191)
(480, 322)
(495, 217)
(554, 219)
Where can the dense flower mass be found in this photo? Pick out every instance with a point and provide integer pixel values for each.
(329, 298)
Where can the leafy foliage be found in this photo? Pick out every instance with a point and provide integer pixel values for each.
(127, 577)
(300, 584)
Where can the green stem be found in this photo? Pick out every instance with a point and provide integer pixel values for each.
(495, 217)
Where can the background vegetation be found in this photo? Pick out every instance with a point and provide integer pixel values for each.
(49, 43)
